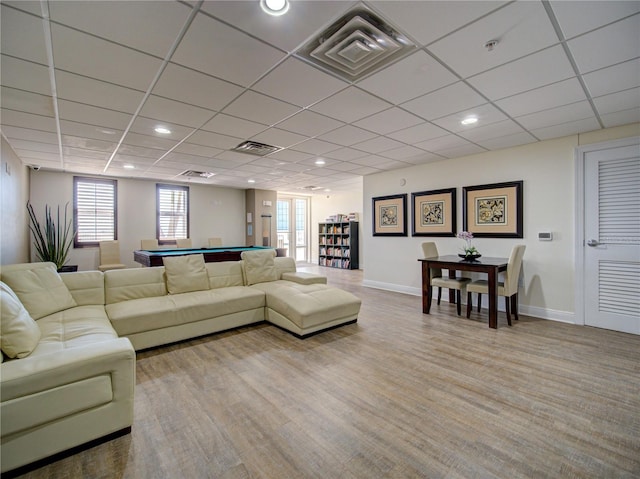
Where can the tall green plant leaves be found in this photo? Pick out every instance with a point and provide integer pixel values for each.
(52, 243)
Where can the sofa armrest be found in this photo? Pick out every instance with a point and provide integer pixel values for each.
(304, 278)
(30, 375)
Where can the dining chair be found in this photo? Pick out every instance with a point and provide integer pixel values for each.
(183, 243)
(507, 288)
(215, 242)
(149, 244)
(110, 256)
(430, 250)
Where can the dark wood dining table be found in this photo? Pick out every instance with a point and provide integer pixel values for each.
(453, 263)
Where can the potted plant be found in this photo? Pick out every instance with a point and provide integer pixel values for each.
(53, 240)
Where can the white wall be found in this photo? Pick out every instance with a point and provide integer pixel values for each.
(214, 211)
(329, 204)
(14, 190)
(548, 171)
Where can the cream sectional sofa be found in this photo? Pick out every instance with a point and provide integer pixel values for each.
(79, 361)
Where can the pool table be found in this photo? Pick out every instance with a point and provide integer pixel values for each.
(211, 255)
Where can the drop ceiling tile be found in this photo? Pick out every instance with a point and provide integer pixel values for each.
(592, 14)
(214, 140)
(443, 102)
(148, 26)
(187, 159)
(388, 121)
(309, 123)
(81, 143)
(315, 147)
(76, 154)
(378, 145)
(28, 145)
(556, 116)
(294, 167)
(232, 126)
(188, 86)
(415, 134)
(299, 83)
(521, 28)
(565, 129)
(344, 166)
(97, 93)
(621, 118)
(365, 170)
(393, 165)
(27, 120)
(612, 79)
(290, 156)
(199, 150)
(146, 126)
(607, 46)
(464, 150)
(22, 36)
(175, 112)
(31, 6)
(17, 133)
(347, 135)
(619, 101)
(345, 154)
(229, 54)
(89, 131)
(350, 105)
(442, 143)
(236, 158)
(30, 156)
(410, 77)
(25, 75)
(486, 114)
(90, 56)
(285, 32)
(321, 172)
(131, 150)
(138, 161)
(19, 100)
(260, 108)
(507, 141)
(493, 130)
(278, 137)
(556, 94)
(402, 153)
(540, 69)
(428, 21)
(81, 113)
(423, 158)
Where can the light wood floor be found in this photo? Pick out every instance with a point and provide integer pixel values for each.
(397, 395)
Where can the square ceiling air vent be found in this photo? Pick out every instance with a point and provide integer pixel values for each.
(358, 44)
(197, 174)
(256, 148)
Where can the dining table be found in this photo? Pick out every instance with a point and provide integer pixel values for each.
(489, 266)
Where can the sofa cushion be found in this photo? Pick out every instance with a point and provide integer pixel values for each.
(39, 287)
(199, 305)
(143, 314)
(19, 333)
(259, 266)
(134, 283)
(186, 273)
(224, 274)
(304, 278)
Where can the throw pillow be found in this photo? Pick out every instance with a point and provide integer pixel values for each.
(19, 333)
(259, 266)
(40, 289)
(186, 273)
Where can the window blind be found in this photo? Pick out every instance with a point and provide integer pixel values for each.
(94, 206)
(172, 212)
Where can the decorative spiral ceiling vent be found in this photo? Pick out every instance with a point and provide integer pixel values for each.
(356, 45)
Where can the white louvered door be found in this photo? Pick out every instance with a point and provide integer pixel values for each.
(612, 238)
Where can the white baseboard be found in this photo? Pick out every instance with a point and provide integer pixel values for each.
(536, 312)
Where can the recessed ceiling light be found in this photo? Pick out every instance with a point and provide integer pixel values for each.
(129, 167)
(320, 162)
(162, 130)
(251, 181)
(470, 120)
(275, 7)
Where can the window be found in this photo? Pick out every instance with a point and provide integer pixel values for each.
(172, 210)
(95, 211)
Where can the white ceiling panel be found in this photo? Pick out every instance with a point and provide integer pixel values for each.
(299, 83)
(237, 74)
(520, 28)
(410, 77)
(229, 54)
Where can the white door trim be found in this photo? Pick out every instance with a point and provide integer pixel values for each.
(579, 156)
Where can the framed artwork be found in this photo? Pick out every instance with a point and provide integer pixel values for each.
(434, 213)
(390, 215)
(493, 210)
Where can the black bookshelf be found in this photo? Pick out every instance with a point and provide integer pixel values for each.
(338, 244)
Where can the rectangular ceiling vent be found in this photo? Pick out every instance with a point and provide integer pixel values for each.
(197, 174)
(256, 148)
(358, 44)
(311, 188)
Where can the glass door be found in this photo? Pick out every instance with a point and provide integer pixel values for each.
(293, 226)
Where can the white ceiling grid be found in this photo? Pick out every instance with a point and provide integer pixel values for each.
(217, 73)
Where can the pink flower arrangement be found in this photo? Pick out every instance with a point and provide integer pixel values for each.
(469, 250)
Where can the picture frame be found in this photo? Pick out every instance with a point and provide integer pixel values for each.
(434, 213)
(390, 215)
(493, 210)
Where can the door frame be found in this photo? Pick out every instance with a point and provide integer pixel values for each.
(580, 154)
